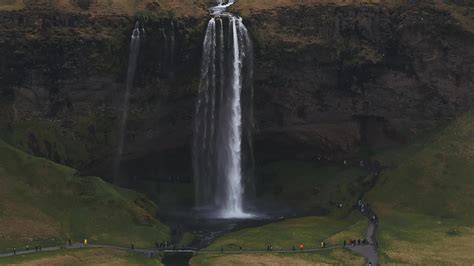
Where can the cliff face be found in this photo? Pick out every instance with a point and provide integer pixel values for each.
(328, 80)
(331, 78)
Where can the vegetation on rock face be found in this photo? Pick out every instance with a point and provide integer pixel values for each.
(311, 186)
(111, 8)
(45, 203)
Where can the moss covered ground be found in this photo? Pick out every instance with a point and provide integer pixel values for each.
(44, 203)
(97, 256)
(312, 185)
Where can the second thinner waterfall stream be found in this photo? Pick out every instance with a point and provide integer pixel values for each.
(223, 118)
(132, 66)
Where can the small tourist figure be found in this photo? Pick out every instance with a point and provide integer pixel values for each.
(132, 247)
(39, 248)
(85, 241)
(27, 247)
(222, 249)
(14, 251)
(294, 248)
(240, 248)
(301, 246)
(69, 242)
(344, 243)
(36, 248)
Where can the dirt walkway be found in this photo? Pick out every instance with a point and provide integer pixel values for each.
(369, 251)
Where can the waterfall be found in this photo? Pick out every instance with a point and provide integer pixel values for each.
(132, 65)
(167, 49)
(226, 78)
(171, 50)
(163, 51)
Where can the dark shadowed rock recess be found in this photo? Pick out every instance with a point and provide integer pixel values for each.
(328, 80)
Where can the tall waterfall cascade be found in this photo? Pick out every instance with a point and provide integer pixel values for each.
(132, 66)
(223, 118)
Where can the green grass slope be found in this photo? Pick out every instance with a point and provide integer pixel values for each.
(283, 235)
(45, 203)
(311, 185)
(425, 200)
(96, 256)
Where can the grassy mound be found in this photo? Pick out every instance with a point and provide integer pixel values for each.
(98, 256)
(45, 203)
(283, 236)
(425, 200)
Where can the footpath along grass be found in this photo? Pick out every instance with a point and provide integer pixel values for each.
(96, 256)
(284, 235)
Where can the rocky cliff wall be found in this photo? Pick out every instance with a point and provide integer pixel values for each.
(329, 80)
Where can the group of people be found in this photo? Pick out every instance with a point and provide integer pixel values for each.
(373, 166)
(27, 248)
(269, 247)
(365, 209)
(356, 242)
(162, 245)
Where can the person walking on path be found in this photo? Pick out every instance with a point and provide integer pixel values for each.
(14, 251)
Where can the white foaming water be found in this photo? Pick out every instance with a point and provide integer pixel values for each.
(217, 149)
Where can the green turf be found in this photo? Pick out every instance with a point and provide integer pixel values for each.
(82, 257)
(285, 234)
(45, 203)
(326, 257)
(187, 239)
(425, 198)
(435, 177)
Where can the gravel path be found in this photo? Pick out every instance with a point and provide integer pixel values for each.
(369, 251)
